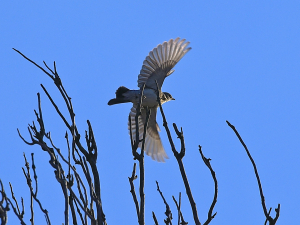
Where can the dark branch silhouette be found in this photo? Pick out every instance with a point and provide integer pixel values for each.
(82, 195)
(271, 220)
(178, 206)
(33, 194)
(132, 191)
(179, 157)
(168, 212)
(140, 158)
(154, 218)
(213, 174)
(3, 209)
(86, 158)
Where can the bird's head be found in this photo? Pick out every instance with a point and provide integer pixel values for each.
(166, 97)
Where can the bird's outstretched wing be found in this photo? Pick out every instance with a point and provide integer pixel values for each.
(160, 61)
(153, 145)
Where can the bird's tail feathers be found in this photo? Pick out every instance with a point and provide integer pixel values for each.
(117, 101)
(120, 91)
(119, 96)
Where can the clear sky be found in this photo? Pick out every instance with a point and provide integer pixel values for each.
(243, 67)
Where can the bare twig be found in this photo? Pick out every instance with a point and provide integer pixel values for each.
(137, 156)
(271, 220)
(178, 206)
(179, 157)
(83, 221)
(213, 174)
(71, 201)
(132, 190)
(154, 218)
(29, 183)
(90, 155)
(56, 108)
(16, 209)
(142, 172)
(268, 214)
(3, 209)
(168, 210)
(45, 211)
(34, 63)
(77, 176)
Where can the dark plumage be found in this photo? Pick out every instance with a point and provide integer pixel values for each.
(120, 91)
(119, 96)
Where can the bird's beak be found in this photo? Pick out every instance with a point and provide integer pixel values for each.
(173, 99)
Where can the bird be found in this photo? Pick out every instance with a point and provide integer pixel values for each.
(156, 67)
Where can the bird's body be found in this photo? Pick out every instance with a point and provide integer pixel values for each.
(156, 67)
(150, 97)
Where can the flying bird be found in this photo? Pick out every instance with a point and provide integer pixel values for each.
(156, 67)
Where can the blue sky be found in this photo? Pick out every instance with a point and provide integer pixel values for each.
(243, 67)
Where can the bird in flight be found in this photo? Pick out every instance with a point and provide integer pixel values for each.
(156, 67)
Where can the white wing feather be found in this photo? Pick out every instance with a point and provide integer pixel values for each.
(160, 61)
(153, 145)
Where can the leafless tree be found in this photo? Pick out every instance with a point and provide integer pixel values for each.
(82, 192)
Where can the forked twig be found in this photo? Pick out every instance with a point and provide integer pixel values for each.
(213, 174)
(3, 209)
(179, 157)
(132, 190)
(271, 220)
(90, 155)
(139, 156)
(178, 206)
(15, 207)
(168, 212)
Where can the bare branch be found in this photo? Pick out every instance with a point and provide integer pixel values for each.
(90, 155)
(56, 108)
(168, 210)
(154, 218)
(180, 216)
(179, 160)
(34, 63)
(3, 209)
(181, 138)
(83, 221)
(16, 209)
(277, 210)
(139, 157)
(32, 192)
(132, 190)
(77, 176)
(269, 215)
(74, 218)
(29, 184)
(213, 174)
(142, 171)
(32, 143)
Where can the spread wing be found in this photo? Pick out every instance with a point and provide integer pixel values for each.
(153, 145)
(160, 61)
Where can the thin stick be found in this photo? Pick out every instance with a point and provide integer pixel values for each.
(179, 160)
(180, 216)
(269, 218)
(213, 174)
(168, 210)
(154, 218)
(132, 191)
